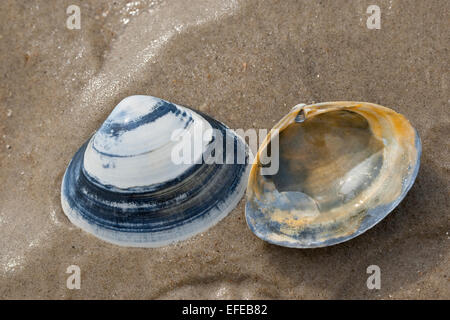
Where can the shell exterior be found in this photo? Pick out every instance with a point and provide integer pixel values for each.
(343, 166)
(123, 186)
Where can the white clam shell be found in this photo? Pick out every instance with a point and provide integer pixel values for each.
(124, 186)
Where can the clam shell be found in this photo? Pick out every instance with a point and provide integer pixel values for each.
(124, 187)
(343, 166)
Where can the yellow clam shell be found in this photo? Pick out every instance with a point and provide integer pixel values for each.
(342, 167)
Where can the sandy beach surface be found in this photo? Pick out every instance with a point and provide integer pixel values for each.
(246, 63)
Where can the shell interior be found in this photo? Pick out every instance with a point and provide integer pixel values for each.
(343, 166)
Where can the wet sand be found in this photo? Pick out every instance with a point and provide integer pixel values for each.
(245, 63)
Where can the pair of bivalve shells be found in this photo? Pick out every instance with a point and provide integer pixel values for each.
(342, 167)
